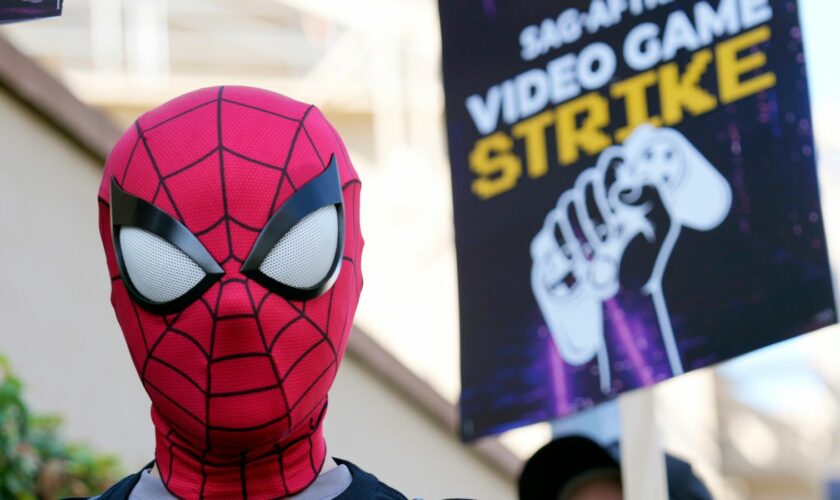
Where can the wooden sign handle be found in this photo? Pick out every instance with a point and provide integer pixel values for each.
(642, 456)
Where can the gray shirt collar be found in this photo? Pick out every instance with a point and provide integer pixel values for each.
(326, 487)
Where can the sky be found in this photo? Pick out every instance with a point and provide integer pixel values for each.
(819, 27)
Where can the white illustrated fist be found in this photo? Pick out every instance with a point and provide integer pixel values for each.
(648, 188)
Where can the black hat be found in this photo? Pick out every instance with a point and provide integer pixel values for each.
(565, 460)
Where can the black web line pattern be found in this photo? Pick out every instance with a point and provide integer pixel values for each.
(268, 342)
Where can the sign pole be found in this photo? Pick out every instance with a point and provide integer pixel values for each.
(642, 456)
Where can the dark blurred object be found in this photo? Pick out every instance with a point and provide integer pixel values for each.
(558, 470)
(35, 461)
(23, 10)
(833, 489)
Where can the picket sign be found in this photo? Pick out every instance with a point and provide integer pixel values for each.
(642, 455)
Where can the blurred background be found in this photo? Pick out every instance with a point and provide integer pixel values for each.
(764, 426)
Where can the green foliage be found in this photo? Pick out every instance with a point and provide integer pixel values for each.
(35, 462)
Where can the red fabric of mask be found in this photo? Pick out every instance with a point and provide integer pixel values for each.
(238, 376)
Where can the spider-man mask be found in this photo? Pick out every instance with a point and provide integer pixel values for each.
(230, 223)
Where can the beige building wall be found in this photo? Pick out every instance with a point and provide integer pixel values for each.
(385, 433)
(56, 322)
(58, 329)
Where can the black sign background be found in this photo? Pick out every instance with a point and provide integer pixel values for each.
(21, 10)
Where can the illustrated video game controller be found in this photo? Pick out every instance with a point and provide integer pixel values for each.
(616, 227)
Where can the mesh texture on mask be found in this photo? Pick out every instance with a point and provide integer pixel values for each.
(303, 256)
(159, 270)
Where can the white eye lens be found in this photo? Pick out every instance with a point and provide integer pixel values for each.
(303, 256)
(159, 270)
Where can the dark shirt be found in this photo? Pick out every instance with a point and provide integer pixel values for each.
(364, 486)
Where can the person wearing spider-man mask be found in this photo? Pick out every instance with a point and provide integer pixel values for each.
(230, 221)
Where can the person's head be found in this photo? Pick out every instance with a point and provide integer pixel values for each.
(577, 468)
(570, 468)
(230, 222)
(599, 484)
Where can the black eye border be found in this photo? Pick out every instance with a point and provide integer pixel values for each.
(323, 190)
(128, 210)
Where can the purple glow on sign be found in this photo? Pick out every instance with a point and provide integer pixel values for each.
(557, 373)
(489, 7)
(625, 337)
